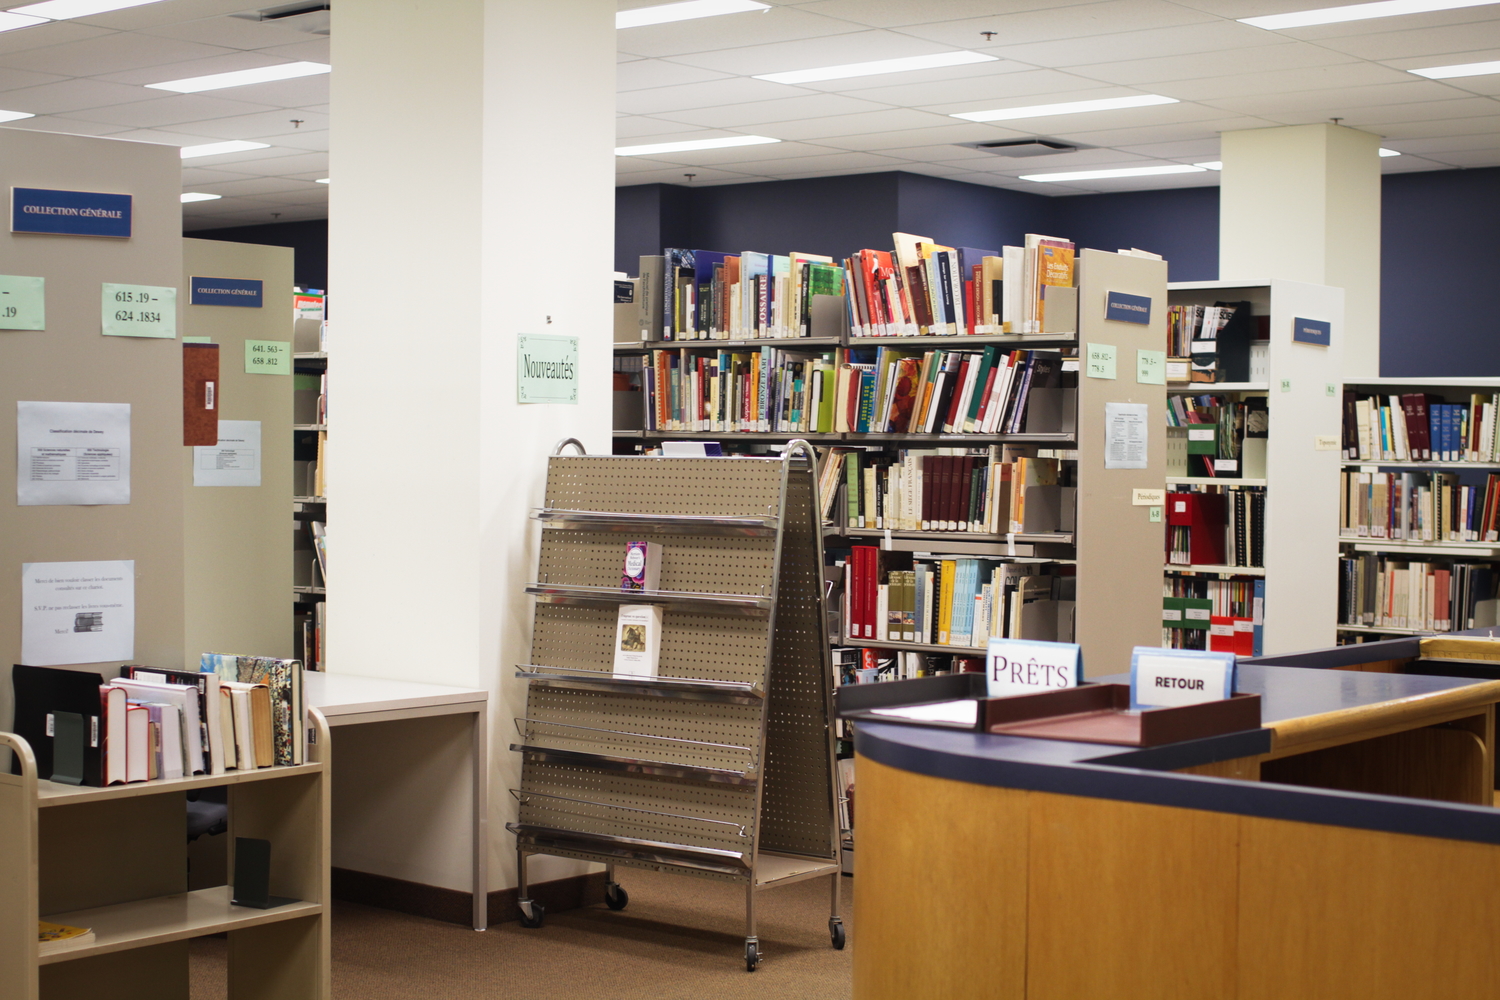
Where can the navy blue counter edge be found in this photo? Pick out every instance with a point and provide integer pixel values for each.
(896, 746)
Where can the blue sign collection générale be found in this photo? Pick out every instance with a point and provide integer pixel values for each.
(1126, 308)
(70, 213)
(246, 292)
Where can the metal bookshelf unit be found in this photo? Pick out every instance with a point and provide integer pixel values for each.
(720, 766)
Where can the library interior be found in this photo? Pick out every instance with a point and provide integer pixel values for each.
(1024, 323)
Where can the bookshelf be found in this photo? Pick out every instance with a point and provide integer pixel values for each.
(309, 500)
(115, 860)
(1398, 570)
(1300, 387)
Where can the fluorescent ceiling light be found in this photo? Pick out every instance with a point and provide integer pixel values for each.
(192, 196)
(15, 116)
(215, 148)
(321, 180)
(879, 66)
(663, 13)
(242, 78)
(1070, 108)
(1389, 152)
(1356, 12)
(61, 10)
(1093, 175)
(1211, 164)
(10, 22)
(683, 147)
(1462, 69)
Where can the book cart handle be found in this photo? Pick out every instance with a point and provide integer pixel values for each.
(18, 746)
(557, 448)
(800, 445)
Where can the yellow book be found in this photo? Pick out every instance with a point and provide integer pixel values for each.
(52, 938)
(945, 611)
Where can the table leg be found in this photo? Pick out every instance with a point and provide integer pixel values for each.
(481, 807)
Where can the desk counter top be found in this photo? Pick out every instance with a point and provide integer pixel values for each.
(350, 694)
(1300, 707)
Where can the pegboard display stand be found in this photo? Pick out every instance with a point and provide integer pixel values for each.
(722, 765)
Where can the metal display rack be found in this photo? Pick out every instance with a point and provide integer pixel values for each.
(722, 766)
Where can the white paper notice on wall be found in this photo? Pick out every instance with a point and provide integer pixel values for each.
(1125, 435)
(72, 453)
(234, 461)
(77, 612)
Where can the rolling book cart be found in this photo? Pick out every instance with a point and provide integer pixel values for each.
(721, 765)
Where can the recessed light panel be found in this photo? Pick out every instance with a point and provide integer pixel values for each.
(1095, 175)
(1462, 69)
(904, 65)
(188, 197)
(215, 148)
(667, 12)
(242, 78)
(15, 116)
(1069, 108)
(1356, 12)
(62, 10)
(11, 21)
(684, 147)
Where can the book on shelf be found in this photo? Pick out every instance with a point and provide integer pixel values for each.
(1436, 595)
(1216, 526)
(1221, 341)
(1426, 506)
(1226, 437)
(285, 706)
(963, 601)
(54, 938)
(318, 532)
(637, 640)
(1420, 427)
(872, 664)
(1218, 615)
(642, 570)
(184, 735)
(205, 689)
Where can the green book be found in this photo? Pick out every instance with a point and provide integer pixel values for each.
(854, 481)
(986, 365)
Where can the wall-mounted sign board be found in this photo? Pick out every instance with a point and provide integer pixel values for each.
(70, 213)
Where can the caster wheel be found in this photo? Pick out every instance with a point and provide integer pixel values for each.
(836, 932)
(535, 917)
(752, 956)
(615, 896)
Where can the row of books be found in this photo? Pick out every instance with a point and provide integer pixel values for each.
(310, 631)
(962, 601)
(1216, 526)
(767, 389)
(1218, 343)
(920, 288)
(1226, 437)
(872, 664)
(1420, 427)
(1382, 592)
(1195, 329)
(1419, 506)
(1003, 488)
(234, 713)
(1218, 615)
(960, 392)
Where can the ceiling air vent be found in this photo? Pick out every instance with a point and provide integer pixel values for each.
(1024, 147)
(309, 17)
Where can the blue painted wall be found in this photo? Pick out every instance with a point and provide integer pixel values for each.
(1438, 270)
(1181, 224)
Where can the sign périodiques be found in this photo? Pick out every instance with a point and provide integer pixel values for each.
(1021, 666)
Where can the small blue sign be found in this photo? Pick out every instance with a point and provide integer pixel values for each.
(1125, 308)
(69, 213)
(1312, 331)
(226, 292)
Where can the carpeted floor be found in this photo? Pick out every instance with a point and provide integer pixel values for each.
(679, 939)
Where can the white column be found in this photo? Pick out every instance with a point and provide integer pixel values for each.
(1303, 202)
(471, 201)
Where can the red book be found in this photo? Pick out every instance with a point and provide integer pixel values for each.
(1203, 514)
(1221, 634)
(987, 389)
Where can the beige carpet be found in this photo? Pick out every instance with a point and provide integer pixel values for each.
(680, 939)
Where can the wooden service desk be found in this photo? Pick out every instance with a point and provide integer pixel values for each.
(1359, 865)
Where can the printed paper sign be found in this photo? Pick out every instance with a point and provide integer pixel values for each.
(1164, 678)
(138, 311)
(1151, 367)
(546, 369)
(77, 612)
(1125, 435)
(1147, 498)
(72, 453)
(23, 303)
(234, 461)
(268, 357)
(1101, 361)
(1019, 666)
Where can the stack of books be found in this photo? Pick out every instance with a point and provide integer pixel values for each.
(1426, 596)
(1419, 507)
(1420, 427)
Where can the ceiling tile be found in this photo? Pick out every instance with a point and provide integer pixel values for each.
(272, 164)
(838, 162)
(1083, 159)
(72, 95)
(813, 53)
(709, 94)
(701, 176)
(907, 13)
(1423, 42)
(231, 32)
(862, 123)
(1318, 79)
(645, 74)
(260, 125)
(41, 35)
(150, 14)
(779, 24)
(110, 54)
(253, 185)
(943, 135)
(283, 93)
(1340, 101)
(1056, 21)
(47, 123)
(208, 175)
(1455, 107)
(227, 61)
(760, 112)
(997, 89)
(1445, 144)
(314, 48)
(1191, 38)
(740, 154)
(1185, 149)
(1202, 128)
(1438, 127)
(15, 79)
(162, 111)
(1470, 157)
(643, 129)
(1196, 65)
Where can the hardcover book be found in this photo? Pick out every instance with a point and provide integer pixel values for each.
(642, 566)
(637, 640)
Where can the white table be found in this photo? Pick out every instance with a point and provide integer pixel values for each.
(349, 700)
